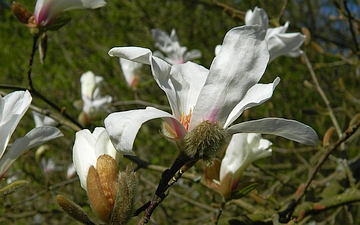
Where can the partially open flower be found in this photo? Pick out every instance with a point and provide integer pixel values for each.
(95, 161)
(242, 150)
(93, 101)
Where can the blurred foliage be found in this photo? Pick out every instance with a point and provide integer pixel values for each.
(83, 44)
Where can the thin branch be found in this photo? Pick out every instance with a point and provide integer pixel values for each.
(322, 94)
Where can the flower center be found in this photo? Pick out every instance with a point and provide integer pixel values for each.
(185, 119)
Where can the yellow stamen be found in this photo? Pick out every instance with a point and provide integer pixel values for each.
(185, 119)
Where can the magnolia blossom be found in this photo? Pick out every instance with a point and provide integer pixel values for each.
(88, 147)
(242, 150)
(46, 11)
(93, 102)
(218, 96)
(42, 120)
(170, 46)
(48, 166)
(130, 70)
(279, 42)
(12, 108)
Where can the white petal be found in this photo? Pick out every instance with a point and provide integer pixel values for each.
(258, 17)
(35, 137)
(136, 54)
(290, 129)
(129, 69)
(256, 95)
(184, 86)
(12, 108)
(42, 120)
(104, 146)
(88, 84)
(122, 127)
(239, 66)
(193, 54)
(84, 154)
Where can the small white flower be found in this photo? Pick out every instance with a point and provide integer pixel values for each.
(279, 42)
(12, 108)
(242, 150)
(48, 165)
(91, 95)
(170, 46)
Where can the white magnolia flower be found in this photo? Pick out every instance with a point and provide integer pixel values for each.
(91, 94)
(12, 108)
(42, 120)
(88, 147)
(279, 42)
(218, 95)
(170, 46)
(242, 150)
(46, 11)
(48, 165)
(130, 70)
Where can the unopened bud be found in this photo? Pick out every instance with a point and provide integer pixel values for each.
(21, 12)
(84, 119)
(124, 204)
(204, 141)
(102, 186)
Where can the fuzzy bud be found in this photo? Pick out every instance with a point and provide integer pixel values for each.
(124, 203)
(102, 186)
(204, 141)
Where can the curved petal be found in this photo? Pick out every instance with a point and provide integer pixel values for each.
(103, 145)
(122, 127)
(186, 81)
(257, 17)
(256, 95)
(136, 54)
(12, 108)
(193, 54)
(84, 154)
(42, 120)
(239, 66)
(130, 70)
(35, 137)
(290, 129)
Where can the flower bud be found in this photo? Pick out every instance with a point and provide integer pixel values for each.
(102, 186)
(124, 203)
(204, 141)
(21, 12)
